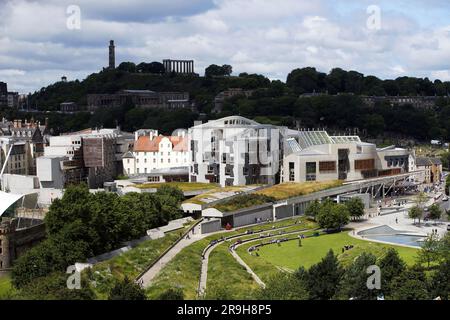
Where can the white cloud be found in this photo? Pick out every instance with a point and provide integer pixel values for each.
(270, 37)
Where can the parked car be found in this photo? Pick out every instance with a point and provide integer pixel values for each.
(445, 198)
(448, 227)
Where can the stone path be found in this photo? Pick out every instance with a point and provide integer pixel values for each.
(150, 274)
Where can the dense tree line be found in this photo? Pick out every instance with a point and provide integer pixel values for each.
(273, 101)
(82, 225)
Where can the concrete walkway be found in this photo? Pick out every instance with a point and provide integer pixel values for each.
(150, 274)
(399, 220)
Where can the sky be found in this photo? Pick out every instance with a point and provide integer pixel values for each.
(40, 41)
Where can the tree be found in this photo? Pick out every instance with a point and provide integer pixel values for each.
(440, 281)
(410, 285)
(218, 71)
(313, 209)
(391, 266)
(429, 251)
(127, 290)
(172, 294)
(323, 278)
(415, 213)
(332, 216)
(227, 69)
(354, 281)
(283, 286)
(153, 67)
(127, 67)
(305, 80)
(435, 212)
(355, 207)
(421, 199)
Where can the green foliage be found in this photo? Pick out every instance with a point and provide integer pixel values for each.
(313, 209)
(447, 185)
(391, 266)
(52, 287)
(172, 294)
(81, 225)
(332, 216)
(323, 278)
(215, 70)
(355, 207)
(354, 280)
(127, 289)
(429, 252)
(243, 201)
(435, 212)
(415, 213)
(283, 286)
(440, 281)
(410, 285)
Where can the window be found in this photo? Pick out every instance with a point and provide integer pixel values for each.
(310, 171)
(368, 164)
(291, 171)
(210, 169)
(327, 166)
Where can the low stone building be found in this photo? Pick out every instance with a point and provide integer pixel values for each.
(140, 98)
(432, 167)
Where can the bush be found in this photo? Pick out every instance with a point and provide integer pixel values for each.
(127, 290)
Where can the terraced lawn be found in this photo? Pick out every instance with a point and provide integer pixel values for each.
(290, 256)
(184, 270)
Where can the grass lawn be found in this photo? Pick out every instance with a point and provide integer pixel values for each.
(183, 186)
(225, 273)
(5, 284)
(199, 199)
(183, 270)
(132, 262)
(291, 189)
(291, 256)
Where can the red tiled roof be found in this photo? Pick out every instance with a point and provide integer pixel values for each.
(144, 144)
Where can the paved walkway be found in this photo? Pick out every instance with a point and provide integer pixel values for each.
(150, 274)
(399, 220)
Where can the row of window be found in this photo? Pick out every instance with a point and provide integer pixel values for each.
(161, 160)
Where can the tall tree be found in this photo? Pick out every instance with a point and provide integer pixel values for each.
(391, 266)
(354, 281)
(355, 207)
(323, 278)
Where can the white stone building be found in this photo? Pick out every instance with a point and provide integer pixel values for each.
(152, 152)
(235, 151)
(316, 156)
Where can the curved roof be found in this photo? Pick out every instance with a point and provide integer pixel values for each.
(7, 200)
(230, 121)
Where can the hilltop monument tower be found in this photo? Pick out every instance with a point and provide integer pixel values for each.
(112, 55)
